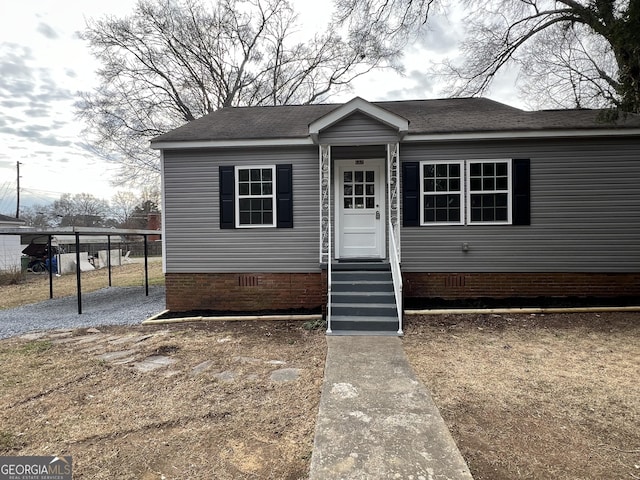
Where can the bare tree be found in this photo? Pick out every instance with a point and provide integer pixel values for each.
(123, 205)
(571, 52)
(172, 61)
(79, 210)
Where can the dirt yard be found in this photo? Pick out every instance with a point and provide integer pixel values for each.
(526, 397)
(220, 400)
(536, 397)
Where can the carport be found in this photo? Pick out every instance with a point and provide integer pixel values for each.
(31, 235)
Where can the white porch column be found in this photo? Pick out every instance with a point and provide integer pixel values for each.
(325, 204)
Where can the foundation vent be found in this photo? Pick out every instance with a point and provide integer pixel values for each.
(248, 281)
(454, 281)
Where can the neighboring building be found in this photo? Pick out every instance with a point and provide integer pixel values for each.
(470, 197)
(10, 249)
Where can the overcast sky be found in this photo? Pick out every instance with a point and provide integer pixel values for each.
(43, 64)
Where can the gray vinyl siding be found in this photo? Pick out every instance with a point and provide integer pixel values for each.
(196, 244)
(585, 211)
(358, 129)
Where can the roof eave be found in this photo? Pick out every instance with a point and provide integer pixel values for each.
(522, 134)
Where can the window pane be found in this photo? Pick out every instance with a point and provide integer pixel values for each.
(255, 189)
(429, 201)
(255, 175)
(441, 185)
(256, 204)
(266, 174)
(502, 183)
(245, 204)
(476, 214)
(348, 177)
(370, 190)
(243, 189)
(370, 176)
(348, 203)
(267, 188)
(359, 176)
(348, 190)
(488, 169)
(441, 201)
(476, 184)
(429, 185)
(475, 169)
(245, 218)
(441, 170)
(256, 218)
(454, 185)
(501, 214)
(454, 170)
(267, 218)
(267, 204)
(359, 189)
(454, 215)
(454, 200)
(243, 175)
(370, 202)
(488, 184)
(429, 216)
(441, 215)
(359, 202)
(501, 169)
(488, 215)
(501, 200)
(429, 170)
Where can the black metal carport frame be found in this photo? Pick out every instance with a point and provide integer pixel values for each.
(34, 233)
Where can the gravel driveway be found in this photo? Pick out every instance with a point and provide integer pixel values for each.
(109, 306)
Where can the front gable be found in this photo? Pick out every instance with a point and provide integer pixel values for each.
(358, 122)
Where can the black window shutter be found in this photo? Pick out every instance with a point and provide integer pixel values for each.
(411, 194)
(227, 197)
(522, 191)
(284, 196)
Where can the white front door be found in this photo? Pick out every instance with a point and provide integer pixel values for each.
(360, 209)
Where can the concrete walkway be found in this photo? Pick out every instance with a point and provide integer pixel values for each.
(376, 420)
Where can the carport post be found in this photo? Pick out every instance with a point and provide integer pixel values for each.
(78, 282)
(50, 268)
(109, 256)
(146, 266)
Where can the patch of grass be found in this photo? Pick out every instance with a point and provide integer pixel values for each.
(36, 347)
(35, 288)
(12, 276)
(315, 325)
(9, 441)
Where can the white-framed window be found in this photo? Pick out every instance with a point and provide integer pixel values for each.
(442, 192)
(255, 196)
(466, 192)
(489, 191)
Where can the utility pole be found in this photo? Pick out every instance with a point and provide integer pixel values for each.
(18, 191)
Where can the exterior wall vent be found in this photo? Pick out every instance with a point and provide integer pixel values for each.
(248, 281)
(454, 281)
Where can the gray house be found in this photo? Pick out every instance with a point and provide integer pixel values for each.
(354, 208)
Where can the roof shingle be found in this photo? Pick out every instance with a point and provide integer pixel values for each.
(453, 115)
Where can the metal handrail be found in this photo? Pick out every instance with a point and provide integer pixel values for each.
(396, 274)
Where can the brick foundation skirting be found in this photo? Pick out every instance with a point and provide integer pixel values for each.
(452, 286)
(245, 292)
